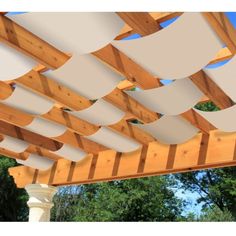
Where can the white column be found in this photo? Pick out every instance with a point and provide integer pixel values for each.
(40, 201)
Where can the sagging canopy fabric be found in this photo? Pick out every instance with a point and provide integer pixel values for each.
(174, 53)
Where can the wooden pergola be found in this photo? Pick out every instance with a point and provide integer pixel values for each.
(210, 148)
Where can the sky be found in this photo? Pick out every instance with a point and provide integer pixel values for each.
(192, 197)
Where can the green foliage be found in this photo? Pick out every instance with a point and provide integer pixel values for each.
(215, 214)
(216, 188)
(146, 199)
(65, 203)
(13, 205)
(208, 106)
(211, 214)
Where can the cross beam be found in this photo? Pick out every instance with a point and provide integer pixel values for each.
(217, 149)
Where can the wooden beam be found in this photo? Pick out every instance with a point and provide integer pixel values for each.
(127, 67)
(128, 104)
(203, 151)
(74, 124)
(17, 37)
(198, 121)
(141, 22)
(227, 26)
(125, 85)
(76, 127)
(16, 118)
(224, 29)
(28, 136)
(222, 55)
(211, 89)
(159, 18)
(31, 149)
(13, 155)
(49, 88)
(67, 98)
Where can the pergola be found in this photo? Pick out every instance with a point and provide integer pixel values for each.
(69, 114)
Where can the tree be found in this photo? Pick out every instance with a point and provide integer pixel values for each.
(13, 206)
(65, 203)
(216, 188)
(215, 214)
(145, 199)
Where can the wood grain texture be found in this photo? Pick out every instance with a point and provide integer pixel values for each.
(141, 22)
(218, 150)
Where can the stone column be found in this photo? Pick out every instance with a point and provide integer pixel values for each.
(40, 201)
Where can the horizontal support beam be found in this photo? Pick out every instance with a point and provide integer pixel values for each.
(203, 151)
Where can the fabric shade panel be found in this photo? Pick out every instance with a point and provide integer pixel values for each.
(13, 144)
(37, 162)
(72, 32)
(28, 101)
(13, 64)
(114, 140)
(177, 51)
(100, 113)
(71, 153)
(224, 76)
(170, 129)
(87, 76)
(46, 128)
(223, 119)
(172, 99)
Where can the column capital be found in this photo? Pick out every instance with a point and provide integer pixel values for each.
(40, 201)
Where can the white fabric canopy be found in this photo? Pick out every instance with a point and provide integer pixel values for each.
(71, 153)
(225, 77)
(13, 144)
(114, 140)
(13, 64)
(46, 128)
(72, 32)
(28, 101)
(177, 51)
(170, 129)
(224, 120)
(37, 162)
(171, 99)
(87, 76)
(100, 113)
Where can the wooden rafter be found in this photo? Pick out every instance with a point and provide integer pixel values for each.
(31, 149)
(75, 125)
(69, 99)
(55, 90)
(141, 22)
(28, 136)
(20, 119)
(203, 151)
(159, 18)
(222, 26)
